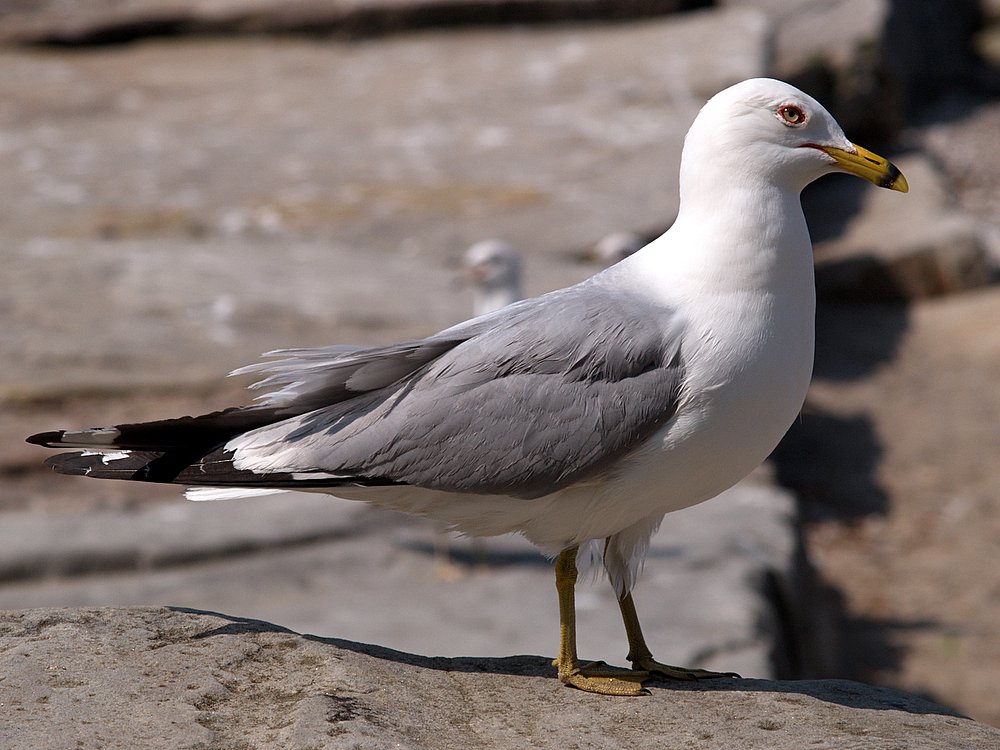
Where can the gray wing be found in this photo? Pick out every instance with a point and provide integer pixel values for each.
(306, 379)
(521, 402)
(300, 380)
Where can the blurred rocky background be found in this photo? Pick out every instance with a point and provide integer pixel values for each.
(188, 183)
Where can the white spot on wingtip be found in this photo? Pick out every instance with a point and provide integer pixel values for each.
(97, 436)
(108, 457)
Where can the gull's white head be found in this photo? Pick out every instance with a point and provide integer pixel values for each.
(766, 131)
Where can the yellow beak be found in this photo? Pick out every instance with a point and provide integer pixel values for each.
(868, 166)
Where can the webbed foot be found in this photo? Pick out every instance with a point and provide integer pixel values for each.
(598, 677)
(654, 669)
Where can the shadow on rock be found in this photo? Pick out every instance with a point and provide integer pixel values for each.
(831, 203)
(871, 648)
(831, 462)
(480, 556)
(831, 459)
(928, 58)
(854, 340)
(840, 692)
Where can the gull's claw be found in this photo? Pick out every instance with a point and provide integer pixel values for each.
(654, 669)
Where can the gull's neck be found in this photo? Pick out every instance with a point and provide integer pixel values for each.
(733, 250)
(490, 298)
(749, 234)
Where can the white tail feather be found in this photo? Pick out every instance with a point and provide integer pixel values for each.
(202, 494)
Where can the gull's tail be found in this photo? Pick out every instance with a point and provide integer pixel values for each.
(164, 434)
(187, 450)
(149, 451)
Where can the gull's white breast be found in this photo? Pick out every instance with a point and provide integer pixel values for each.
(747, 349)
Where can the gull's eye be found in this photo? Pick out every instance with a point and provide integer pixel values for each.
(791, 115)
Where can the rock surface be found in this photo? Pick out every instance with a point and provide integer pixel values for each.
(895, 461)
(966, 149)
(888, 250)
(140, 678)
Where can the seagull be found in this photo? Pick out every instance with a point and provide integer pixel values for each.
(578, 418)
(493, 267)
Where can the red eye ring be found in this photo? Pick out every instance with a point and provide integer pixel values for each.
(791, 115)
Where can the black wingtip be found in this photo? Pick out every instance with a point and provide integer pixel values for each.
(67, 463)
(46, 439)
(135, 465)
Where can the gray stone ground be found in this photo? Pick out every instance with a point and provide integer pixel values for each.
(155, 677)
(175, 206)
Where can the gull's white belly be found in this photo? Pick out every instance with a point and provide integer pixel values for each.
(721, 435)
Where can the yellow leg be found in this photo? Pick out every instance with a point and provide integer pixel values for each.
(595, 677)
(641, 657)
